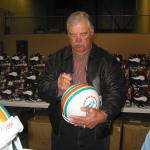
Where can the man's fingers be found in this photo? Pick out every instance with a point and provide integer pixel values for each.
(85, 109)
(67, 77)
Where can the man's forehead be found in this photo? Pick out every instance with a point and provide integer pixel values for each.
(79, 28)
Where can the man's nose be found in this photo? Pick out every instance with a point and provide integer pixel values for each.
(78, 38)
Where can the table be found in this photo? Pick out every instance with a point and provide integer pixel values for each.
(42, 104)
(135, 109)
(28, 104)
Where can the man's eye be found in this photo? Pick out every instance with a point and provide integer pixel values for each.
(73, 35)
(83, 34)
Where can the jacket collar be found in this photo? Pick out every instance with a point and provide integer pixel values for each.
(95, 52)
(68, 52)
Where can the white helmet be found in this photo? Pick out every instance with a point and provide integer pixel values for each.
(77, 96)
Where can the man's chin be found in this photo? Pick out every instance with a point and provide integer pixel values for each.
(79, 51)
(78, 48)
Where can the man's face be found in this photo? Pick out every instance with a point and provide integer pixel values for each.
(80, 36)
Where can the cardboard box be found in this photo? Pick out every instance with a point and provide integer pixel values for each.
(39, 133)
(115, 137)
(134, 134)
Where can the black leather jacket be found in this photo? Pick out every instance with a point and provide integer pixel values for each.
(103, 72)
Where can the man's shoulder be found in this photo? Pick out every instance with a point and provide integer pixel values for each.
(105, 57)
(63, 52)
(64, 49)
(102, 53)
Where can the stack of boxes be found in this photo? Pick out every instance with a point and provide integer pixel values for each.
(134, 134)
(39, 133)
(116, 136)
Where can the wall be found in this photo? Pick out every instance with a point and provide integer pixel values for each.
(125, 44)
(23, 10)
(45, 44)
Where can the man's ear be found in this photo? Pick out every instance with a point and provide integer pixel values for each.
(92, 31)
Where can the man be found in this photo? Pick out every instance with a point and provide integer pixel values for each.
(82, 62)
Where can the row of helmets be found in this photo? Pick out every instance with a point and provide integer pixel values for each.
(137, 72)
(18, 76)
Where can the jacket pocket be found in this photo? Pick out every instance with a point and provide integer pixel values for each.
(103, 130)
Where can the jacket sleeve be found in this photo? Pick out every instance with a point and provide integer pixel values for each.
(47, 82)
(113, 92)
(113, 88)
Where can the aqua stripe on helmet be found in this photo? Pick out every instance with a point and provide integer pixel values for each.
(4, 111)
(74, 94)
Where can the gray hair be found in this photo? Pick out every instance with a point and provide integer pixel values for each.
(75, 17)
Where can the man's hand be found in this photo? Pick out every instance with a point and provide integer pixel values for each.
(64, 82)
(93, 117)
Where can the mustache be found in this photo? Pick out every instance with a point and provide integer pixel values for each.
(77, 44)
